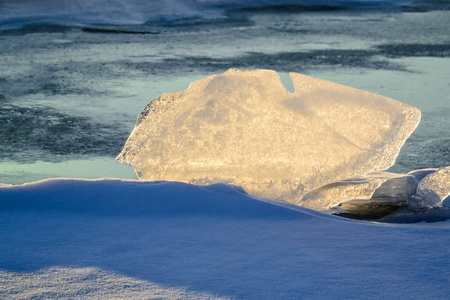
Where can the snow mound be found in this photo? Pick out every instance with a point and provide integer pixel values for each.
(113, 239)
(245, 128)
(140, 198)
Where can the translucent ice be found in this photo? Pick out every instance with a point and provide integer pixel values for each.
(420, 174)
(434, 188)
(375, 194)
(247, 129)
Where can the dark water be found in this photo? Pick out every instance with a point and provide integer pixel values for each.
(70, 95)
(17, 13)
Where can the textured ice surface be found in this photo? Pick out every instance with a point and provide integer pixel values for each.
(434, 188)
(420, 174)
(374, 193)
(247, 129)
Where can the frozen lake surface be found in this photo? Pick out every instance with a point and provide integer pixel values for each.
(72, 94)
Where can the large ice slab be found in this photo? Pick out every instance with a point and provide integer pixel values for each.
(247, 129)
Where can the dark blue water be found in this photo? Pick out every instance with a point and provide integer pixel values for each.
(17, 13)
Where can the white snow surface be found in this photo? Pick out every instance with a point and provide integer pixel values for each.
(247, 129)
(111, 239)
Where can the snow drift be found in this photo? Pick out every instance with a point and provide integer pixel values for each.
(134, 239)
(137, 198)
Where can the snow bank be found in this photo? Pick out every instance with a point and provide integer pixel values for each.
(114, 197)
(246, 129)
(119, 239)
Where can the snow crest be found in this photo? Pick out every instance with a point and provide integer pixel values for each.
(245, 128)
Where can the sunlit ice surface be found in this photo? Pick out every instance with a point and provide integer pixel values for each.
(245, 128)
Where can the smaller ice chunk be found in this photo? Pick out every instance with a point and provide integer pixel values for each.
(434, 188)
(376, 194)
(420, 174)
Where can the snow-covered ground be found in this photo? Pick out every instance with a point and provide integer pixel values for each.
(130, 239)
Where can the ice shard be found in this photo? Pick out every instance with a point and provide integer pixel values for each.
(245, 128)
(375, 194)
(420, 174)
(434, 188)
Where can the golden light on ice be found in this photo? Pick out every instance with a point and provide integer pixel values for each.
(245, 128)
